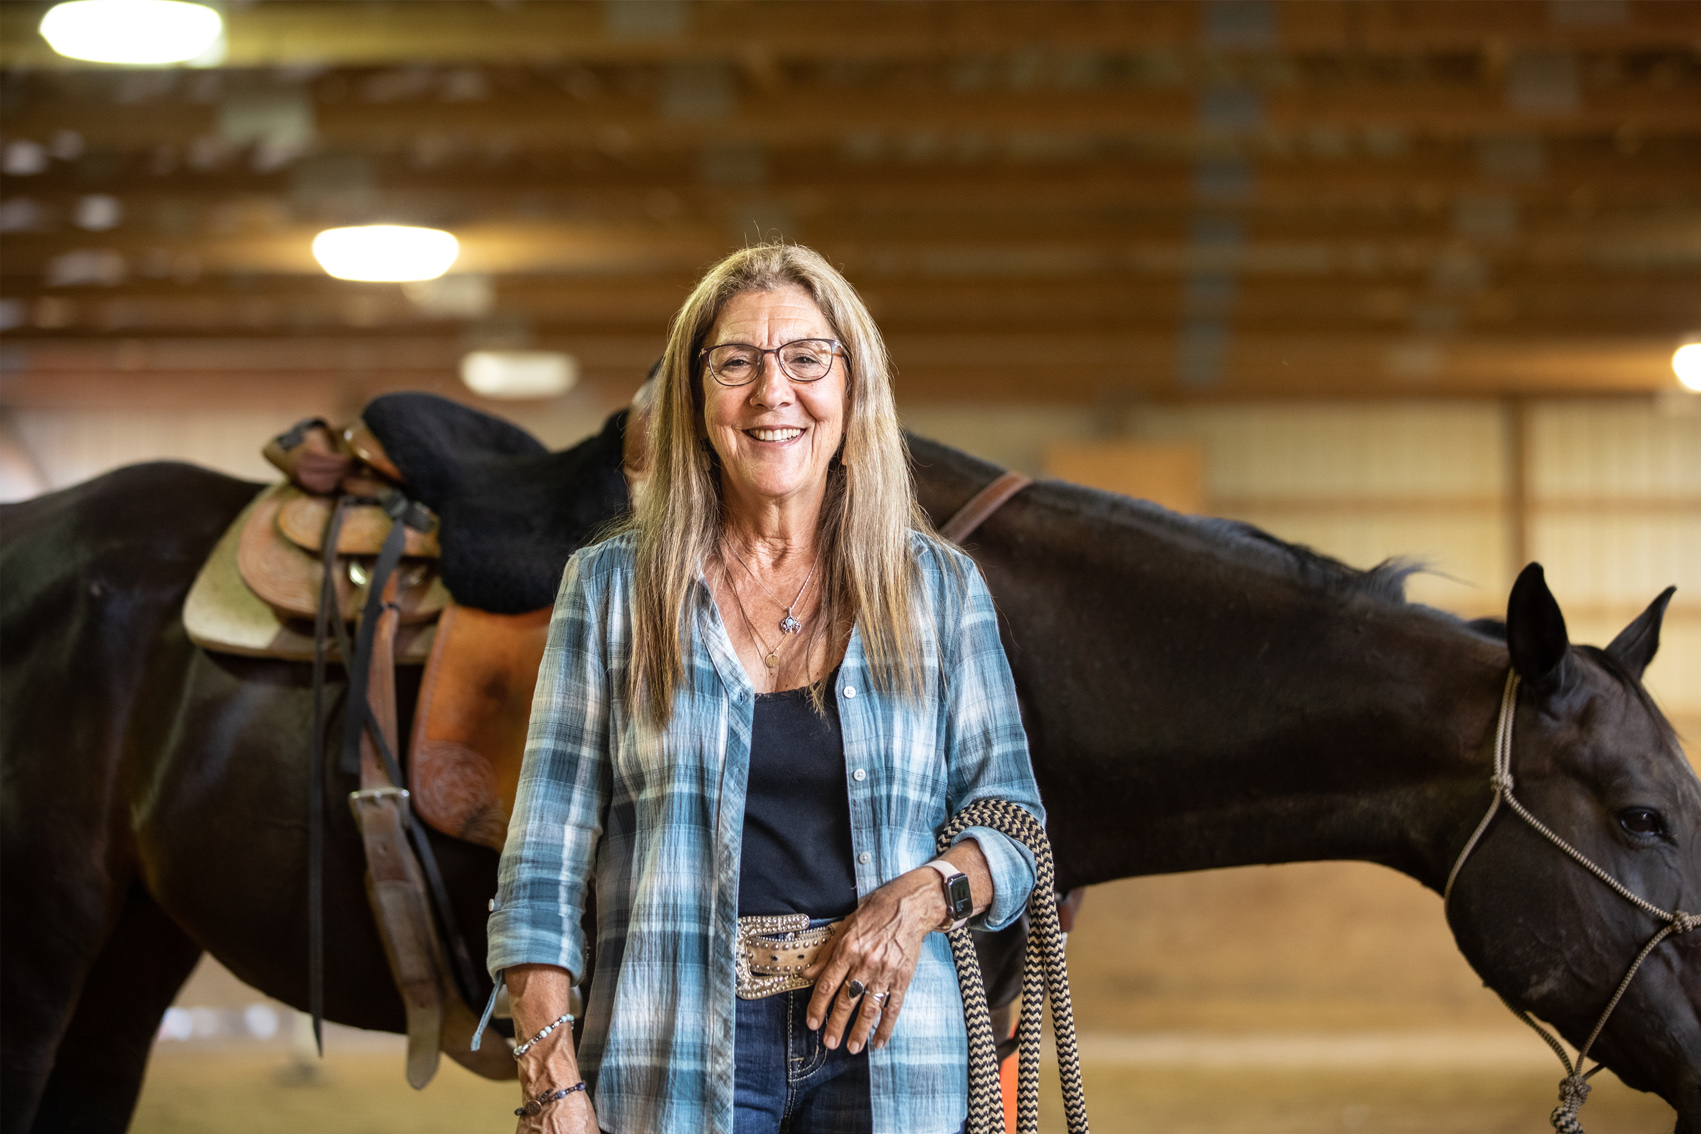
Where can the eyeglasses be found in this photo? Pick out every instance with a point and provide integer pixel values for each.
(802, 360)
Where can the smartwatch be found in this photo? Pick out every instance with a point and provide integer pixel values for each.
(959, 903)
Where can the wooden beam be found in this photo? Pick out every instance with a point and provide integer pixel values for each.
(1582, 300)
(1015, 367)
(1029, 124)
(1362, 246)
(1576, 179)
(464, 32)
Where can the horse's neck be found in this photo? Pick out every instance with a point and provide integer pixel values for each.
(1189, 708)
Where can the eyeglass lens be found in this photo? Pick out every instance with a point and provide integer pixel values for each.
(805, 360)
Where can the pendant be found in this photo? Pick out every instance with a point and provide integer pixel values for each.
(773, 660)
(790, 625)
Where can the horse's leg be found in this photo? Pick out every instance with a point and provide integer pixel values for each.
(51, 937)
(104, 1052)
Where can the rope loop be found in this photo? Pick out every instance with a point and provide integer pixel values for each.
(1573, 1093)
(1683, 922)
(1044, 974)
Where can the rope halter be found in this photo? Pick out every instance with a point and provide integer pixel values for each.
(1574, 1088)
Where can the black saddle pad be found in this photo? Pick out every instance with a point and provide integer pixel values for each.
(511, 511)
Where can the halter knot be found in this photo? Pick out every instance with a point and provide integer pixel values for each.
(1573, 1093)
(1683, 922)
(1501, 782)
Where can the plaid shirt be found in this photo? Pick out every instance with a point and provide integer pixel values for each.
(654, 819)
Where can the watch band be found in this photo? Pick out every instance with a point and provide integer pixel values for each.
(948, 874)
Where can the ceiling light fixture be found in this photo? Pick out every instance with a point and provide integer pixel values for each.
(385, 253)
(131, 31)
(519, 373)
(1686, 364)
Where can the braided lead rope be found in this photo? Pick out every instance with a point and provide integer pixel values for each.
(1044, 971)
(1574, 1088)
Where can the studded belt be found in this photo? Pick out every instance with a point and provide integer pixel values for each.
(774, 951)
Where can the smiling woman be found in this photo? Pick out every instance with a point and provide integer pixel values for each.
(759, 706)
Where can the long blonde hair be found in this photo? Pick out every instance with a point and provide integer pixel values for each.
(867, 567)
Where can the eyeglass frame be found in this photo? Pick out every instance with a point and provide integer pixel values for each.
(762, 357)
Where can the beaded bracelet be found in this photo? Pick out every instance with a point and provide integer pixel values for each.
(535, 1107)
(564, 1018)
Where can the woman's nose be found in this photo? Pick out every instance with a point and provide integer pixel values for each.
(772, 388)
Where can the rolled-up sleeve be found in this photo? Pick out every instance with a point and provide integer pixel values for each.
(563, 792)
(987, 748)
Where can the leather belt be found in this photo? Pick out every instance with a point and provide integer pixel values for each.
(773, 951)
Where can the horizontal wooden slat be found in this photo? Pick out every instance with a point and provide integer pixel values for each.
(1444, 505)
(461, 31)
(1046, 124)
(931, 367)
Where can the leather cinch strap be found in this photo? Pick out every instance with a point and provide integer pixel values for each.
(983, 504)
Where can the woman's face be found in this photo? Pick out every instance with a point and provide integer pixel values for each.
(774, 436)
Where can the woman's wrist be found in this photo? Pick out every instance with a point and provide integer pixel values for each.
(923, 902)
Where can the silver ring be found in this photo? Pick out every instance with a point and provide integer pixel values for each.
(879, 997)
(854, 989)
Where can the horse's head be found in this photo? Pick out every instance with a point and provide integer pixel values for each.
(1593, 759)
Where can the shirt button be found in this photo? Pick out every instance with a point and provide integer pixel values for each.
(850, 691)
(493, 905)
(859, 775)
(865, 858)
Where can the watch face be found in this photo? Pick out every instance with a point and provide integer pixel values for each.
(957, 894)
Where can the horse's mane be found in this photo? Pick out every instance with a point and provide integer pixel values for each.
(1309, 567)
(1235, 540)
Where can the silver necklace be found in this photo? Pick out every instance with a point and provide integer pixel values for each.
(789, 624)
(770, 656)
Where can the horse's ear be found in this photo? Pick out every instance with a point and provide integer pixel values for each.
(1535, 632)
(1638, 642)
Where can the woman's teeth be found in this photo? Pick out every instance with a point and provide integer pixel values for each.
(774, 434)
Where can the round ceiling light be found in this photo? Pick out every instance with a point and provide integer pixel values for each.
(385, 253)
(131, 31)
(1686, 363)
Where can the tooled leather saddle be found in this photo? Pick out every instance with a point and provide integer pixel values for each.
(425, 533)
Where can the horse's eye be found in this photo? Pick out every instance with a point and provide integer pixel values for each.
(1641, 821)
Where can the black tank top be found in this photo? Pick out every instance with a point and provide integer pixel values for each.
(797, 831)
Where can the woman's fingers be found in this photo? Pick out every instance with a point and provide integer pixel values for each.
(832, 974)
(874, 1004)
(844, 1006)
(888, 1018)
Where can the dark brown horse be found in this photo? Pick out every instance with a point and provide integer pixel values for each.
(1197, 695)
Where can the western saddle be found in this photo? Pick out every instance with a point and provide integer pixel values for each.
(342, 541)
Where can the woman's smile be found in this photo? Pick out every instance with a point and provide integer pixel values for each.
(775, 434)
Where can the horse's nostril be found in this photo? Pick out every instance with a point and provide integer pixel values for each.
(1641, 821)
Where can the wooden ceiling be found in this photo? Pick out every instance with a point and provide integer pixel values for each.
(1041, 201)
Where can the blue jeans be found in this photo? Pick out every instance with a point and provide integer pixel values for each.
(786, 1081)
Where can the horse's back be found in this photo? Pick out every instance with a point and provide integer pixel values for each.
(160, 507)
(94, 575)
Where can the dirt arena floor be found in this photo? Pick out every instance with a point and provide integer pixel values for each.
(1300, 999)
(363, 1093)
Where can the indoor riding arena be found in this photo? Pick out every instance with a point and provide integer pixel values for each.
(1408, 290)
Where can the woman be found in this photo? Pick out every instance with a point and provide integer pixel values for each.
(764, 698)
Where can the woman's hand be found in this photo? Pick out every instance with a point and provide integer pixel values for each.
(880, 945)
(539, 994)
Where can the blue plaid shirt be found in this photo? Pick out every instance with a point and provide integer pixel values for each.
(653, 819)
